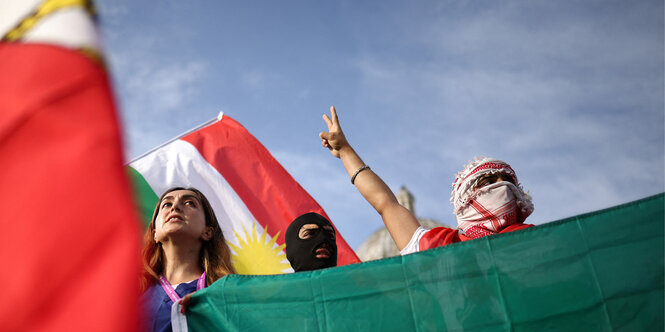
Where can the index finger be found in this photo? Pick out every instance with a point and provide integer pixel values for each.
(328, 122)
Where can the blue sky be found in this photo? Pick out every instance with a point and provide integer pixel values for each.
(571, 93)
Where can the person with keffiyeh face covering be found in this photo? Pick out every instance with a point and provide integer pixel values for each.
(487, 198)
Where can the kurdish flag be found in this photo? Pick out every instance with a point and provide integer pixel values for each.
(601, 271)
(253, 196)
(69, 237)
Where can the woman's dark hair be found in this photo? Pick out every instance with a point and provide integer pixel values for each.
(215, 257)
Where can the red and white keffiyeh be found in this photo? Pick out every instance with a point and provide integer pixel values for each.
(491, 208)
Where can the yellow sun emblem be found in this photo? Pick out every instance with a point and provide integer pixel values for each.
(256, 256)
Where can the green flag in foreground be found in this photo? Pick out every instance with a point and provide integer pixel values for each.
(595, 272)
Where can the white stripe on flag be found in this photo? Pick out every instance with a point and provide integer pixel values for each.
(179, 164)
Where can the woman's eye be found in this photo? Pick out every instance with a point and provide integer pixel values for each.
(165, 205)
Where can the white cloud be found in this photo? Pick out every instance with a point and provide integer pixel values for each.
(163, 87)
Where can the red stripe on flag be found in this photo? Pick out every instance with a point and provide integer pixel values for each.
(270, 193)
(69, 243)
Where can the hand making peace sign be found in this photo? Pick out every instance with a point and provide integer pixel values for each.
(334, 138)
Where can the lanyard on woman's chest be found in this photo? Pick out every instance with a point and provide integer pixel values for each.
(200, 284)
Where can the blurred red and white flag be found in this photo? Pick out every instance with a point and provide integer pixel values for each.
(69, 240)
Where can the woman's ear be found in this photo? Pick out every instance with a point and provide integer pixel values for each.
(154, 236)
(207, 234)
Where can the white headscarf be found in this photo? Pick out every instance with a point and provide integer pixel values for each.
(463, 195)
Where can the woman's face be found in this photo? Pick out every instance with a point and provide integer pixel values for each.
(181, 217)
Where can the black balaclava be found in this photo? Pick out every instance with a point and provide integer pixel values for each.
(301, 252)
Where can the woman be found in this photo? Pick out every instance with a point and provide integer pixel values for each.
(184, 250)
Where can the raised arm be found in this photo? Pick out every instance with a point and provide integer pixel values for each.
(400, 222)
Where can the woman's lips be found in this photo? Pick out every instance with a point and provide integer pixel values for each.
(174, 218)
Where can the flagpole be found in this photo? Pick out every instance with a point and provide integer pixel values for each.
(205, 124)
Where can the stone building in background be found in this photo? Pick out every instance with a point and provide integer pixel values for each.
(380, 244)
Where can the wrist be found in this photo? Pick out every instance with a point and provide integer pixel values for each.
(345, 150)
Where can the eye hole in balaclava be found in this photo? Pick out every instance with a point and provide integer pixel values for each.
(301, 253)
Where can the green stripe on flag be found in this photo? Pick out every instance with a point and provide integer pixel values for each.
(600, 271)
(145, 196)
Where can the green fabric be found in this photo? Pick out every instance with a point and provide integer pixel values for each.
(601, 271)
(146, 199)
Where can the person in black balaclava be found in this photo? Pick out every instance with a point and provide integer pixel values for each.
(310, 243)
